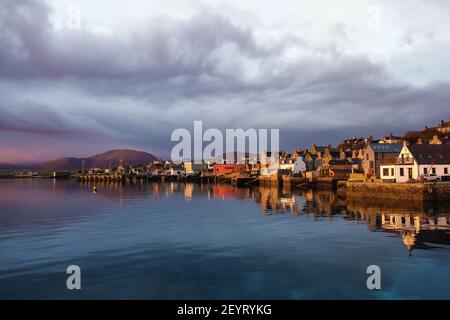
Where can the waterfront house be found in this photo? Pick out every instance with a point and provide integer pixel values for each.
(315, 149)
(343, 174)
(191, 168)
(416, 161)
(377, 152)
(430, 135)
(312, 161)
(341, 169)
(444, 127)
(172, 169)
(436, 140)
(355, 143)
(225, 169)
(391, 139)
(291, 165)
(327, 155)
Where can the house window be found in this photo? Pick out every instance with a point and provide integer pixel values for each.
(402, 172)
(445, 170)
(425, 170)
(371, 164)
(367, 156)
(385, 171)
(392, 171)
(433, 170)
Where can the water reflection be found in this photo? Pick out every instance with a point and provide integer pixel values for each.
(174, 240)
(420, 225)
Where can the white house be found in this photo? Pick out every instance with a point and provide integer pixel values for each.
(416, 161)
(295, 166)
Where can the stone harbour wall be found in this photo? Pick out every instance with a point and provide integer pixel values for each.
(398, 191)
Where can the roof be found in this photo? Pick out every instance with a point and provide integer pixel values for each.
(348, 154)
(391, 136)
(339, 162)
(348, 170)
(313, 156)
(320, 148)
(228, 165)
(335, 154)
(431, 153)
(386, 147)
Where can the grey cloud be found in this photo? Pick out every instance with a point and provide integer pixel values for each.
(44, 120)
(23, 30)
(204, 68)
(204, 54)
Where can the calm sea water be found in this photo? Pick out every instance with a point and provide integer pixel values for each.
(176, 241)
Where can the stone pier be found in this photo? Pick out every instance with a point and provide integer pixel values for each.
(397, 191)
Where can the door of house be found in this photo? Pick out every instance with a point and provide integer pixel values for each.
(409, 173)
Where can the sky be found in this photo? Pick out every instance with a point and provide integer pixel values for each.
(81, 77)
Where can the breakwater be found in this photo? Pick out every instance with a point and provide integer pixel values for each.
(396, 191)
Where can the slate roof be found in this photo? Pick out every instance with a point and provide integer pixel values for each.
(386, 147)
(431, 153)
(339, 162)
(321, 149)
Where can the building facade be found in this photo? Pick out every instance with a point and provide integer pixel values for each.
(224, 169)
(375, 153)
(416, 162)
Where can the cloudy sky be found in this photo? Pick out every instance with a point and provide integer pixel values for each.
(82, 77)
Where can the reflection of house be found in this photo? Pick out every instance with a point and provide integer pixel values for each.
(416, 161)
(223, 191)
(274, 200)
(412, 226)
(400, 222)
(375, 153)
(321, 202)
(188, 191)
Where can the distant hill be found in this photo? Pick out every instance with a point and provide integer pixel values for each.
(105, 160)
